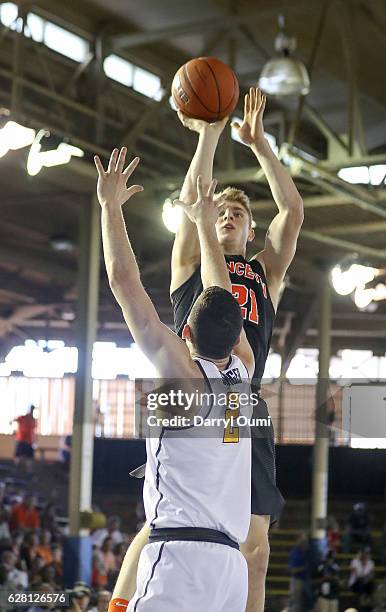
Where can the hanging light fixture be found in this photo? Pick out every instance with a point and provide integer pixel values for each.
(284, 75)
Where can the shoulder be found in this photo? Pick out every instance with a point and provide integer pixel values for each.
(184, 368)
(257, 261)
(189, 284)
(238, 363)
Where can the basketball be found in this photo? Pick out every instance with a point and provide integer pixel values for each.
(205, 88)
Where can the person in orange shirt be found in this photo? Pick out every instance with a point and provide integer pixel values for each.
(44, 549)
(25, 515)
(25, 437)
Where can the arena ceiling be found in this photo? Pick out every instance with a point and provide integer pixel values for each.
(341, 123)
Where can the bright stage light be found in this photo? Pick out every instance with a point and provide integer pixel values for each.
(171, 215)
(14, 136)
(345, 282)
(56, 157)
(363, 297)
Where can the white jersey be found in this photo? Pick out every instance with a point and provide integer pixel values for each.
(200, 476)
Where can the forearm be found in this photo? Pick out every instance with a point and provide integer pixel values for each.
(124, 278)
(186, 248)
(119, 257)
(201, 164)
(213, 267)
(283, 189)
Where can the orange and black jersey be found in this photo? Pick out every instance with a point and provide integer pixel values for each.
(249, 287)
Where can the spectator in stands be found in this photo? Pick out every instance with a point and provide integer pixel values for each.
(328, 584)
(44, 549)
(17, 540)
(5, 534)
(380, 595)
(333, 534)
(28, 549)
(119, 553)
(25, 515)
(80, 597)
(48, 575)
(25, 437)
(35, 577)
(300, 575)
(15, 579)
(113, 529)
(358, 528)
(107, 555)
(48, 520)
(42, 588)
(57, 562)
(361, 579)
(99, 576)
(102, 603)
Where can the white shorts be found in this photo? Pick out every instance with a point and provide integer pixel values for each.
(190, 577)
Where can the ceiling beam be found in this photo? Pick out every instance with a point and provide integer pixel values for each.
(21, 315)
(349, 162)
(126, 41)
(318, 201)
(240, 175)
(297, 336)
(26, 260)
(352, 247)
(11, 282)
(97, 116)
(355, 228)
(359, 195)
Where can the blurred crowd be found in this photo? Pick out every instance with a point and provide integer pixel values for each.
(319, 585)
(32, 533)
(31, 550)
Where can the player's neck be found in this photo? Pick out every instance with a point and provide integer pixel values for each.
(232, 248)
(220, 363)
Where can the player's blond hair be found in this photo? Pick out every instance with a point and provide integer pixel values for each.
(232, 194)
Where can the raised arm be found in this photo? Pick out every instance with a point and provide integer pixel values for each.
(204, 214)
(283, 232)
(186, 249)
(154, 338)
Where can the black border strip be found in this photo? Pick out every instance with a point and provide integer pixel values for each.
(157, 479)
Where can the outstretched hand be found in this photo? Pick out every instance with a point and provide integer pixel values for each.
(205, 208)
(251, 131)
(112, 184)
(199, 125)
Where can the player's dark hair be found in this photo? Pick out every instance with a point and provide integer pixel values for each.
(215, 323)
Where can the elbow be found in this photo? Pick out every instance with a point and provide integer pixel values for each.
(296, 211)
(116, 278)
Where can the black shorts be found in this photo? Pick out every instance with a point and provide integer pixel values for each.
(265, 496)
(24, 449)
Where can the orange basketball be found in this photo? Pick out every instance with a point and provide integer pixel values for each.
(205, 88)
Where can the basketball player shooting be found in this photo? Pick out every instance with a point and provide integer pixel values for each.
(255, 284)
(193, 532)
